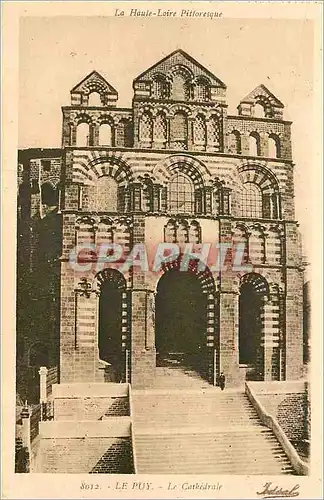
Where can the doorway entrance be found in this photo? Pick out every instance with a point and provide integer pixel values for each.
(110, 324)
(253, 292)
(181, 322)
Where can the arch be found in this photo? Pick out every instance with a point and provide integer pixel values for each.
(254, 144)
(112, 323)
(204, 277)
(83, 134)
(254, 293)
(94, 99)
(254, 173)
(201, 89)
(170, 231)
(193, 168)
(194, 232)
(160, 87)
(181, 78)
(259, 283)
(111, 164)
(111, 275)
(105, 134)
(263, 108)
(274, 146)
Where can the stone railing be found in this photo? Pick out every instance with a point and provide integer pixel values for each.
(131, 412)
(300, 467)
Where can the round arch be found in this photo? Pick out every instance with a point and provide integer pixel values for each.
(188, 165)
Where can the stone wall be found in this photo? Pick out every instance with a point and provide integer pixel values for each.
(287, 402)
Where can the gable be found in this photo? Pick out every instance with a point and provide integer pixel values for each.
(180, 59)
(94, 82)
(262, 93)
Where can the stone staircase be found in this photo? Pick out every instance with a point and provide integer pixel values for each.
(203, 431)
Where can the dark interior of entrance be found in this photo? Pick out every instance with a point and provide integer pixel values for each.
(110, 343)
(181, 321)
(250, 327)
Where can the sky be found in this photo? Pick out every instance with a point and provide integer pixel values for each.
(55, 53)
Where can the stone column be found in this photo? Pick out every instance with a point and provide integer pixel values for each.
(42, 384)
(142, 330)
(25, 417)
(228, 313)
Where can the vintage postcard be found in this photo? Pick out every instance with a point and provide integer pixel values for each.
(162, 274)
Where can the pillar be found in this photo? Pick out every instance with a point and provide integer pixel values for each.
(228, 313)
(143, 357)
(25, 418)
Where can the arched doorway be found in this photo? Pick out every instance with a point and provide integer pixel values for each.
(184, 321)
(254, 292)
(110, 329)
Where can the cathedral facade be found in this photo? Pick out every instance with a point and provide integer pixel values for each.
(175, 168)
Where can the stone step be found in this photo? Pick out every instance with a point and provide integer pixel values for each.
(229, 437)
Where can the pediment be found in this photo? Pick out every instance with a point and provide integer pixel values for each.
(262, 93)
(180, 59)
(94, 82)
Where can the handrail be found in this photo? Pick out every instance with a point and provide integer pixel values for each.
(132, 428)
(272, 423)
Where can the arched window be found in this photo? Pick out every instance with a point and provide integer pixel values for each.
(179, 127)
(251, 201)
(82, 134)
(273, 146)
(182, 233)
(170, 232)
(106, 199)
(146, 129)
(234, 142)
(199, 130)
(160, 129)
(94, 99)
(259, 111)
(201, 91)
(254, 144)
(105, 135)
(179, 88)
(160, 87)
(194, 233)
(181, 194)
